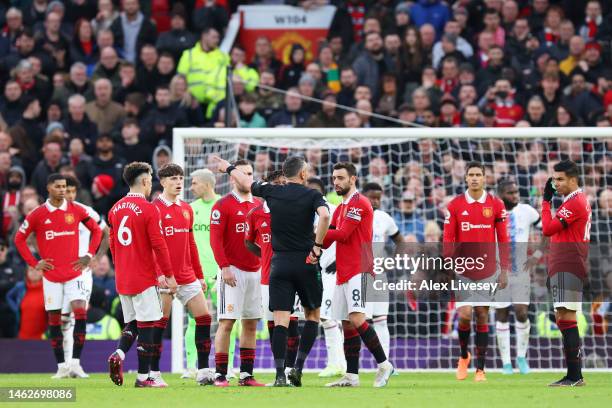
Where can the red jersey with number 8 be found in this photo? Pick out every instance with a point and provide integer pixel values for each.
(570, 232)
(136, 242)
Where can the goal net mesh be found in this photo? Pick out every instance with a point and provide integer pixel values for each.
(419, 177)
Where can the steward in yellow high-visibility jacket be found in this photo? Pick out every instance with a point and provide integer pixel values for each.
(205, 67)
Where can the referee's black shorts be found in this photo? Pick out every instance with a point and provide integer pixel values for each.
(290, 274)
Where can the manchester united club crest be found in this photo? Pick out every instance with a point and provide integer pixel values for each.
(69, 218)
(487, 212)
(186, 214)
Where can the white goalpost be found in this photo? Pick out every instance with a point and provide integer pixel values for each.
(428, 164)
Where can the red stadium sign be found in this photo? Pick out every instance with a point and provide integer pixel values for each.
(285, 26)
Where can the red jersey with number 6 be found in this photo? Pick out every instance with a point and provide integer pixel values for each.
(136, 242)
(259, 232)
(570, 232)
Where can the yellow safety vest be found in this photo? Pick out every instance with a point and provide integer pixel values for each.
(206, 74)
(250, 76)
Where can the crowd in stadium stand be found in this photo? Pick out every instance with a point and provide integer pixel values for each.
(90, 85)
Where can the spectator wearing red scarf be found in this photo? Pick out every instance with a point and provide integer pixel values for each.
(592, 22)
(552, 25)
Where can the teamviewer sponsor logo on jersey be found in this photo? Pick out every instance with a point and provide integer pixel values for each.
(265, 238)
(466, 226)
(354, 213)
(565, 213)
(241, 227)
(49, 235)
(171, 231)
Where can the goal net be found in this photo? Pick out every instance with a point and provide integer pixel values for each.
(421, 170)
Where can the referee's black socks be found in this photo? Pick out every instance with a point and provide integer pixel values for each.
(309, 335)
(279, 349)
(293, 342)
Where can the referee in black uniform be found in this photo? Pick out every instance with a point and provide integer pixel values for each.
(296, 251)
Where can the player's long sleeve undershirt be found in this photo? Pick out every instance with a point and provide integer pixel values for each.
(24, 250)
(96, 235)
(340, 235)
(550, 225)
(216, 243)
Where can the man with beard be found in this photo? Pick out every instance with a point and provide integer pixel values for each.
(103, 111)
(521, 217)
(159, 122)
(351, 229)
(11, 198)
(372, 63)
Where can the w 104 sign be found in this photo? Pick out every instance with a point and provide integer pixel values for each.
(285, 26)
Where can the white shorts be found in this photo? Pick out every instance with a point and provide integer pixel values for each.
(329, 287)
(517, 292)
(350, 297)
(265, 303)
(242, 301)
(184, 293)
(143, 307)
(58, 293)
(86, 280)
(575, 306)
(474, 298)
(375, 309)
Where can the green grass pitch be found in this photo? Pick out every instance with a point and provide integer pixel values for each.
(406, 390)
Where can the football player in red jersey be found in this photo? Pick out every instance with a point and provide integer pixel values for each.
(239, 282)
(351, 229)
(569, 232)
(474, 220)
(177, 226)
(56, 226)
(136, 243)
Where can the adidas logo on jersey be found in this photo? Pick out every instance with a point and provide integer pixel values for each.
(47, 221)
(168, 216)
(356, 304)
(265, 224)
(465, 212)
(239, 213)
